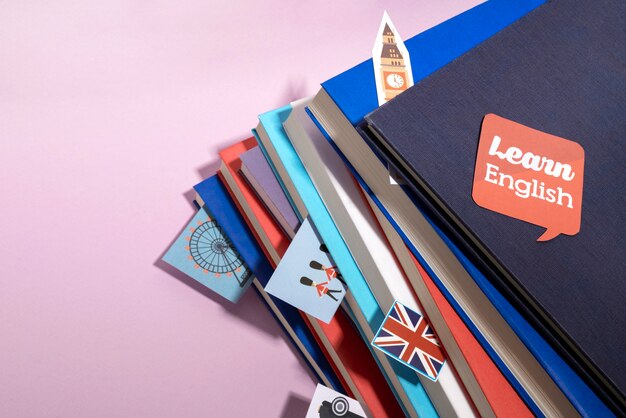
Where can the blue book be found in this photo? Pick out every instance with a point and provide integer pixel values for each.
(575, 89)
(219, 204)
(369, 310)
(352, 94)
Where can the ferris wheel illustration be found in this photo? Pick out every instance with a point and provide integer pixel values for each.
(211, 250)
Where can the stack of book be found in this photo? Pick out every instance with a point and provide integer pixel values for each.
(397, 244)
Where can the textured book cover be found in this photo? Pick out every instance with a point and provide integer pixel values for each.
(559, 71)
(497, 389)
(354, 91)
(273, 233)
(259, 174)
(217, 201)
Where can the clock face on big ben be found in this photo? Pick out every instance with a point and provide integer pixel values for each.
(395, 81)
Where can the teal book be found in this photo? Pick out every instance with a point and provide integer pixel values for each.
(368, 308)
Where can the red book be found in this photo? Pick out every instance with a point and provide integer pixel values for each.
(352, 361)
(502, 397)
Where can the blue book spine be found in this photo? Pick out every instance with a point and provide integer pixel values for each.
(354, 90)
(223, 209)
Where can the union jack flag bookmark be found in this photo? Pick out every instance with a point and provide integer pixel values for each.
(406, 336)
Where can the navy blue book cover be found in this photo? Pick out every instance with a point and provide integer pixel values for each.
(560, 70)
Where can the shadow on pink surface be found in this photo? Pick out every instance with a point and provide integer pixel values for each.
(250, 309)
(209, 169)
(296, 406)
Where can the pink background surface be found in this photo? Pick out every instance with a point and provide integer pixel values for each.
(109, 112)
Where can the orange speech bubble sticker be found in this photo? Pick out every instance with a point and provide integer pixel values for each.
(529, 175)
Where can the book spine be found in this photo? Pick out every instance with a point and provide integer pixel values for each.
(366, 306)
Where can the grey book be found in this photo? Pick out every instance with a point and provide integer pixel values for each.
(258, 173)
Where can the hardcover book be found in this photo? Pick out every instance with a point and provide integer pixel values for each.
(506, 336)
(213, 193)
(500, 394)
(553, 72)
(260, 176)
(368, 245)
(340, 339)
(417, 397)
(487, 387)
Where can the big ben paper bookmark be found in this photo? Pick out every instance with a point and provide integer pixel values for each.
(392, 64)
